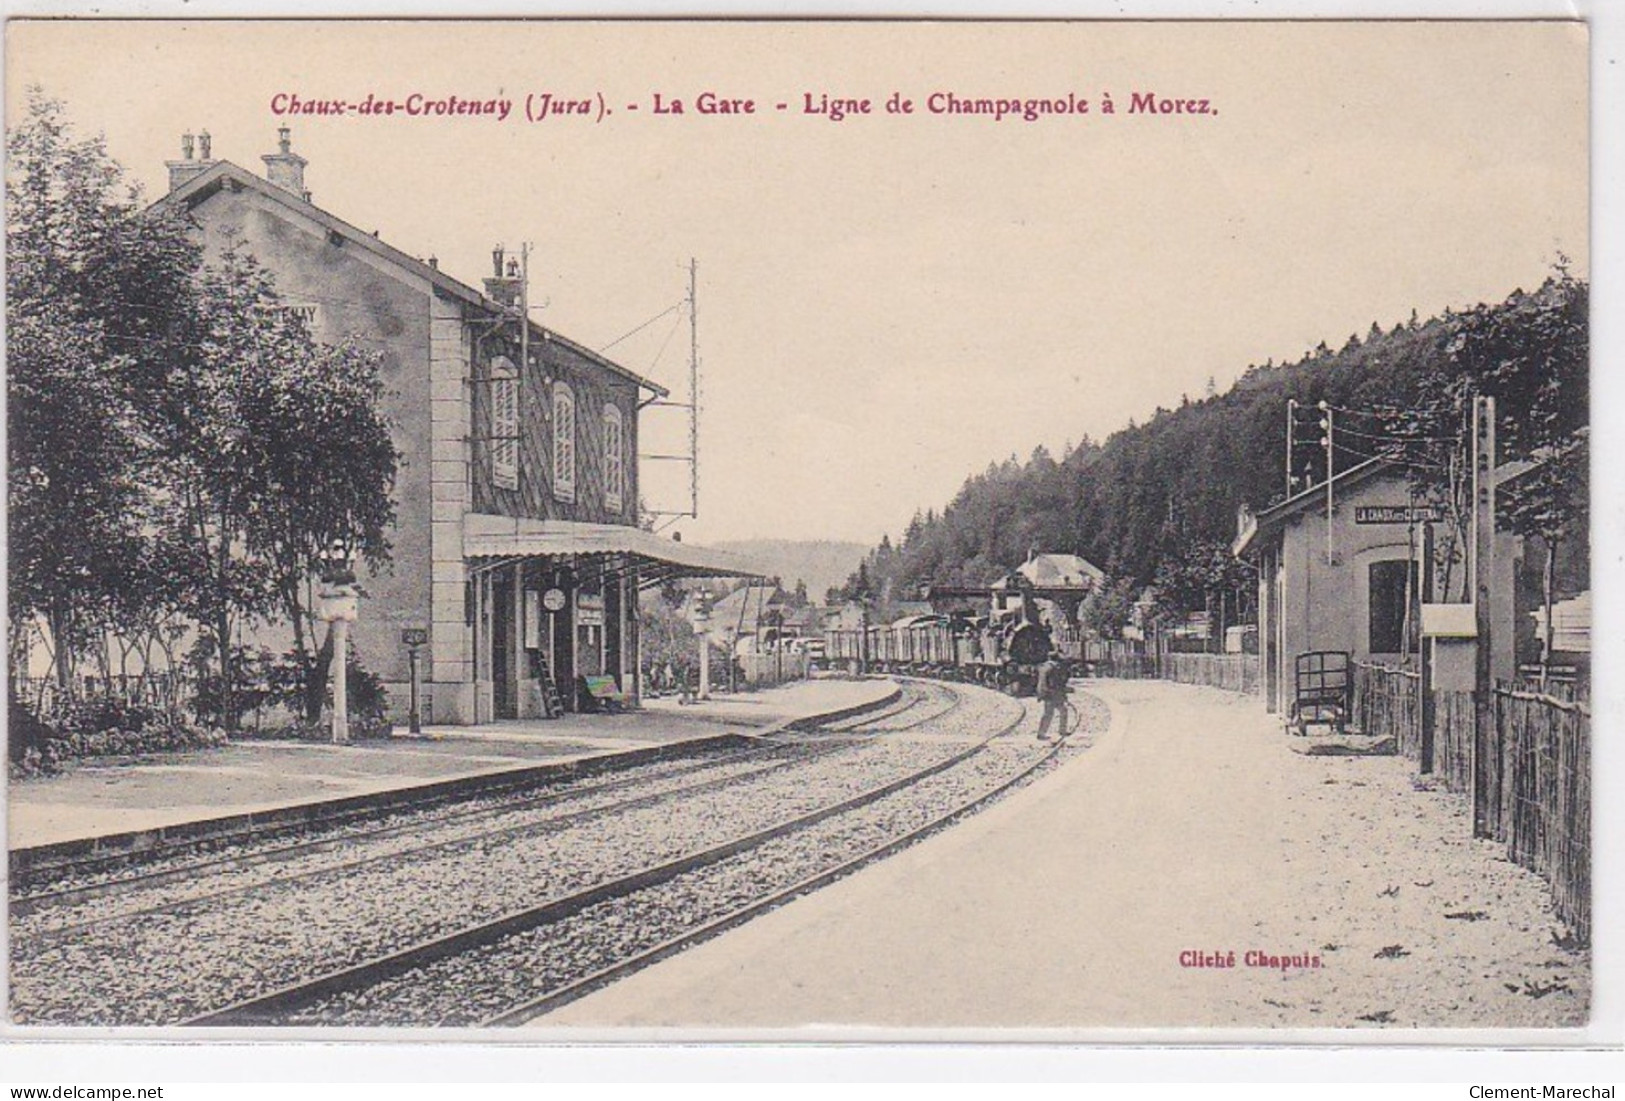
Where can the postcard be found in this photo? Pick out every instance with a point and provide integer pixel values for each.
(810, 530)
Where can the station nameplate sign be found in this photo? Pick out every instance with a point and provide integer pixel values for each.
(1396, 514)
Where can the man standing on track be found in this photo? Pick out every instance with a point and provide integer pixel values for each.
(1051, 688)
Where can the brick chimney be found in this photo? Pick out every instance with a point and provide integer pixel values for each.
(285, 168)
(190, 165)
(504, 285)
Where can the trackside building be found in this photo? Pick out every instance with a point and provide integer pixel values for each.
(1357, 591)
(517, 550)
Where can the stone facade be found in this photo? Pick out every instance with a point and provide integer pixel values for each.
(441, 343)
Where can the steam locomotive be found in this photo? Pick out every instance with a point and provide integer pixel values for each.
(1002, 648)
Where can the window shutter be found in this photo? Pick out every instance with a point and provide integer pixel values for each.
(614, 460)
(564, 443)
(504, 426)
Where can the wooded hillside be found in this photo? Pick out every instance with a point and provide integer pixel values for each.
(1156, 502)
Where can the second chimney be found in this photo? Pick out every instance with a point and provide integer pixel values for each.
(285, 168)
(189, 166)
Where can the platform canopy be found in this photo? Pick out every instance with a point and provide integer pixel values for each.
(493, 539)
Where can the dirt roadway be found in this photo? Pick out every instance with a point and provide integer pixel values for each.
(1188, 828)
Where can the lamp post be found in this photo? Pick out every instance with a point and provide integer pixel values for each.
(414, 638)
(338, 604)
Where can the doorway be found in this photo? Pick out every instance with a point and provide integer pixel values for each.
(504, 687)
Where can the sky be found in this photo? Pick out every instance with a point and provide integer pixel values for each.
(889, 302)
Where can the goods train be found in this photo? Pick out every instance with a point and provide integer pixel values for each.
(1002, 648)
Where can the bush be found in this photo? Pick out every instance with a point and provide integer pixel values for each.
(248, 684)
(36, 747)
(288, 678)
(106, 726)
(299, 730)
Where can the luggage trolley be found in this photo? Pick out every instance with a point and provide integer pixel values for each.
(1323, 691)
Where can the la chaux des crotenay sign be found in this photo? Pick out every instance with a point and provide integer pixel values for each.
(1396, 514)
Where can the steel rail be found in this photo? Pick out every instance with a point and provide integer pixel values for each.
(284, 1001)
(956, 700)
(562, 995)
(27, 904)
(856, 723)
(334, 814)
(512, 800)
(324, 844)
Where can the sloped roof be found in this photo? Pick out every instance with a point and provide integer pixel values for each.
(748, 597)
(490, 536)
(919, 620)
(1313, 497)
(207, 183)
(1062, 571)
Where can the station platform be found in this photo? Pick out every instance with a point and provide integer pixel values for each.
(95, 799)
(1186, 870)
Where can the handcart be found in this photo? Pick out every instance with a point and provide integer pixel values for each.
(1324, 691)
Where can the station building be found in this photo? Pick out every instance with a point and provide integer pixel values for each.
(1358, 591)
(516, 548)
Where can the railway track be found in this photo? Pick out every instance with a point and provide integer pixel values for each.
(698, 848)
(97, 874)
(923, 701)
(165, 891)
(56, 873)
(74, 885)
(352, 995)
(916, 698)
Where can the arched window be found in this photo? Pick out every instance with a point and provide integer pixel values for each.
(614, 459)
(504, 424)
(564, 442)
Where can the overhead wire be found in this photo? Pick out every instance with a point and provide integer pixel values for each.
(1397, 460)
(638, 329)
(1396, 437)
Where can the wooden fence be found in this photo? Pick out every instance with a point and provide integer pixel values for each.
(164, 691)
(1545, 805)
(1126, 667)
(1115, 658)
(1527, 768)
(761, 670)
(1232, 672)
(1387, 703)
(1454, 721)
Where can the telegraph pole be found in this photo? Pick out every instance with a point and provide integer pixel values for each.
(1487, 763)
(691, 301)
(524, 308)
(1326, 426)
(1425, 657)
(693, 390)
(1291, 417)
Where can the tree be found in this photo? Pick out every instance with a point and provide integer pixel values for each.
(1205, 577)
(1108, 609)
(95, 285)
(1531, 354)
(1159, 499)
(275, 453)
(179, 446)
